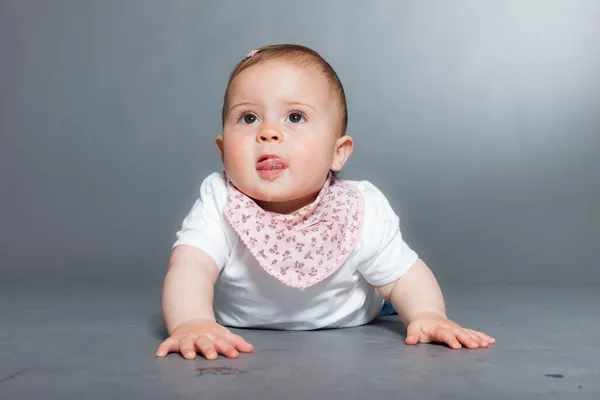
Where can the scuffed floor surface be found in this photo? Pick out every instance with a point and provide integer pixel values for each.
(97, 342)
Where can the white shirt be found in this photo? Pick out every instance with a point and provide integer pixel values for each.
(247, 296)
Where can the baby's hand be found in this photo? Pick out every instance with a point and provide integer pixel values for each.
(436, 328)
(205, 337)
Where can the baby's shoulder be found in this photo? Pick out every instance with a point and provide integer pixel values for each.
(372, 195)
(378, 210)
(380, 219)
(215, 181)
(214, 189)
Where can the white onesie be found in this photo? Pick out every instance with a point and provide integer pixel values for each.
(247, 296)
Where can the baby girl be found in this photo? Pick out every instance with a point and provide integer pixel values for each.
(278, 240)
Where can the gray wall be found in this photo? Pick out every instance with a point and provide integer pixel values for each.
(479, 119)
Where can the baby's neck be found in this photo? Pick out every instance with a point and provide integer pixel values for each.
(287, 207)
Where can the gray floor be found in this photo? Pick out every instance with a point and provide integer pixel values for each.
(93, 342)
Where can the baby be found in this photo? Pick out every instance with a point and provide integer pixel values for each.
(277, 241)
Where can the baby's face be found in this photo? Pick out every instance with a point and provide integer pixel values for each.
(280, 133)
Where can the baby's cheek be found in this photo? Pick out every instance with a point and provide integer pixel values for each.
(316, 154)
(235, 157)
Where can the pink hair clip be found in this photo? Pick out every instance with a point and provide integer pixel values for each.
(250, 54)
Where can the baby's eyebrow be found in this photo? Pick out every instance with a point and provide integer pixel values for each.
(296, 103)
(244, 104)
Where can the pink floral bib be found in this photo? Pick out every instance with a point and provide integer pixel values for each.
(307, 246)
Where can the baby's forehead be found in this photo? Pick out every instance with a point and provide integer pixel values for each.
(280, 66)
(298, 77)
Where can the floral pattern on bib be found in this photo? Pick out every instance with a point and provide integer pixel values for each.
(307, 246)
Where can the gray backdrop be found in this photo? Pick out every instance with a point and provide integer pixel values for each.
(479, 119)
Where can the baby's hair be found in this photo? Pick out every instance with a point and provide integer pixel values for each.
(299, 55)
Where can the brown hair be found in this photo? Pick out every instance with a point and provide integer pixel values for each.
(300, 55)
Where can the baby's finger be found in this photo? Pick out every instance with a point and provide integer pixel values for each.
(469, 340)
(482, 342)
(483, 336)
(446, 336)
(240, 343)
(225, 348)
(167, 346)
(206, 347)
(186, 348)
(413, 334)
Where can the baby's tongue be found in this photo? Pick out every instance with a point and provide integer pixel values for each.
(270, 163)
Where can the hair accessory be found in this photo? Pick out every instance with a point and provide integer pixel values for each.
(250, 54)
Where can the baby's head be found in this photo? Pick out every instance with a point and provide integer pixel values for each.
(284, 124)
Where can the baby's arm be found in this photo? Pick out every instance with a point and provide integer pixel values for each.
(188, 287)
(418, 299)
(188, 308)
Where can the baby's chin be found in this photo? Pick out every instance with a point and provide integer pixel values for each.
(270, 195)
(261, 189)
(280, 190)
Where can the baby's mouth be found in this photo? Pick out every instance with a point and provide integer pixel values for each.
(270, 162)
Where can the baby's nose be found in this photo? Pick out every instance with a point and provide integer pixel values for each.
(269, 134)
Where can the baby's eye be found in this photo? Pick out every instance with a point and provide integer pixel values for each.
(248, 119)
(295, 118)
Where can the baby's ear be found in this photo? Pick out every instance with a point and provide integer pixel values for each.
(219, 143)
(343, 149)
